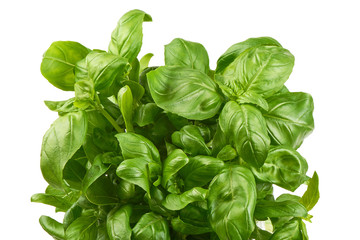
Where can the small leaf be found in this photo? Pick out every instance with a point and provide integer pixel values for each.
(144, 61)
(179, 201)
(125, 102)
(146, 114)
(312, 195)
(175, 161)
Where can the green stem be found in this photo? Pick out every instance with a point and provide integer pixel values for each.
(107, 115)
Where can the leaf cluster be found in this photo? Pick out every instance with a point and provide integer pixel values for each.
(178, 151)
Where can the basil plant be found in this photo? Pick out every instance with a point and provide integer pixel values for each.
(178, 151)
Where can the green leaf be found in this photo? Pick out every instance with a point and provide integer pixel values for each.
(135, 71)
(60, 142)
(136, 146)
(287, 208)
(139, 171)
(125, 102)
(189, 138)
(104, 67)
(245, 128)
(260, 234)
(118, 223)
(52, 227)
(151, 227)
(231, 203)
(312, 194)
(59, 62)
(155, 201)
(84, 228)
(146, 114)
(179, 201)
(136, 89)
(284, 167)
(289, 119)
(97, 186)
(175, 161)
(200, 170)
(187, 54)
(75, 170)
(186, 228)
(227, 153)
(264, 189)
(73, 213)
(252, 98)
(84, 94)
(62, 107)
(235, 50)
(59, 202)
(185, 92)
(291, 230)
(126, 39)
(195, 214)
(144, 61)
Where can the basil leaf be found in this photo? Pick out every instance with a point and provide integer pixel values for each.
(291, 230)
(97, 186)
(200, 170)
(59, 62)
(185, 92)
(73, 213)
(60, 142)
(245, 128)
(231, 203)
(312, 195)
(253, 98)
(187, 54)
(75, 170)
(235, 50)
(289, 119)
(189, 138)
(52, 227)
(227, 153)
(179, 201)
(155, 202)
(62, 107)
(174, 162)
(151, 227)
(146, 114)
(126, 39)
(186, 228)
(125, 102)
(287, 208)
(135, 71)
(84, 228)
(104, 67)
(136, 146)
(284, 167)
(118, 223)
(263, 190)
(144, 61)
(84, 94)
(136, 89)
(59, 202)
(139, 171)
(129, 192)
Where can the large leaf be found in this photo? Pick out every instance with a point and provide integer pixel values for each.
(60, 142)
(59, 61)
(118, 223)
(151, 227)
(184, 91)
(231, 203)
(200, 170)
(289, 118)
(52, 227)
(187, 54)
(179, 201)
(284, 167)
(245, 128)
(262, 70)
(126, 39)
(235, 50)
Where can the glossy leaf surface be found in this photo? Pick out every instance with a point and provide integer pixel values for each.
(231, 203)
(60, 142)
(245, 128)
(118, 223)
(183, 91)
(151, 227)
(52, 227)
(179, 201)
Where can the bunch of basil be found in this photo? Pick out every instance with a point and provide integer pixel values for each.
(178, 151)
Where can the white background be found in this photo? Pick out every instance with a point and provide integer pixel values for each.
(323, 36)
